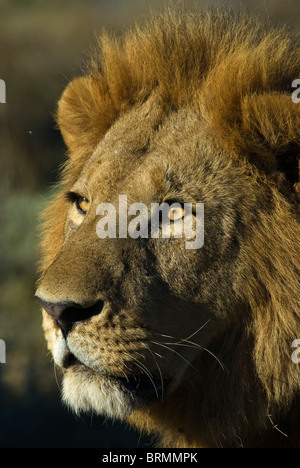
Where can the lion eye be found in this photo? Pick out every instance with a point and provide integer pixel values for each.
(176, 213)
(82, 205)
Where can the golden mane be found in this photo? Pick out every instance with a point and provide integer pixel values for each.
(234, 70)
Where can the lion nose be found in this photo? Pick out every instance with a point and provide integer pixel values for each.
(67, 314)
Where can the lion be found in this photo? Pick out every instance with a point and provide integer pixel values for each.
(192, 346)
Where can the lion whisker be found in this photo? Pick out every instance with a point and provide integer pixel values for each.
(123, 372)
(146, 371)
(190, 344)
(182, 339)
(197, 331)
(138, 364)
(160, 373)
(180, 342)
(164, 336)
(175, 352)
(156, 354)
(275, 426)
(55, 376)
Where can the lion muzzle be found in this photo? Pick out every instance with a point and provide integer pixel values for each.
(68, 314)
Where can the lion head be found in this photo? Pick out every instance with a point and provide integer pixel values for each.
(193, 344)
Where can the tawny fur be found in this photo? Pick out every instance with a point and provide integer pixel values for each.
(235, 75)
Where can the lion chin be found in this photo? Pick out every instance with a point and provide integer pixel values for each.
(85, 390)
(88, 389)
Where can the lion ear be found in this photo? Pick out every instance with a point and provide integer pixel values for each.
(85, 112)
(271, 133)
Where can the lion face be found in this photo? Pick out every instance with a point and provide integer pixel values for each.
(126, 318)
(178, 338)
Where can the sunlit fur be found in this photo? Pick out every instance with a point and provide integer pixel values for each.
(217, 88)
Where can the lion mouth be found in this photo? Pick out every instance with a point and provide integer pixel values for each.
(140, 388)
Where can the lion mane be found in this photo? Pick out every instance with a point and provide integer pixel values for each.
(235, 75)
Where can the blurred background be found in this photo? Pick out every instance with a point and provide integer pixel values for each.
(42, 47)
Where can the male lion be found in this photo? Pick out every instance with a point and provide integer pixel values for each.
(193, 345)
